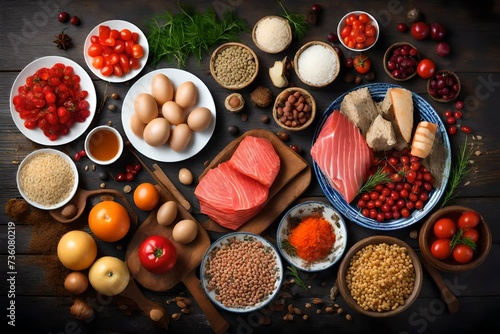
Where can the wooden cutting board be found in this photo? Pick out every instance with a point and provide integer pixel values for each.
(292, 180)
(188, 259)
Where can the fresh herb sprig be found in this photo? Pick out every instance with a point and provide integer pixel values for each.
(297, 277)
(174, 37)
(458, 238)
(288, 247)
(458, 173)
(379, 177)
(298, 22)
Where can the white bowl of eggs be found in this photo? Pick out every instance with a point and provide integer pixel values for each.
(169, 115)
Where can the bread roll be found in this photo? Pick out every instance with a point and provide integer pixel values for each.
(423, 139)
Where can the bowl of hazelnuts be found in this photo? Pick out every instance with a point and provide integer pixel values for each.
(294, 109)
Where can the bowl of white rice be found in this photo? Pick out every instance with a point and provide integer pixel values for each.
(317, 64)
(47, 179)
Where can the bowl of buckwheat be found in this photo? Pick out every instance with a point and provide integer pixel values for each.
(380, 276)
(241, 272)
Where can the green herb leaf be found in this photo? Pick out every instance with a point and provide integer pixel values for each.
(174, 37)
(458, 238)
(460, 169)
(379, 177)
(288, 247)
(297, 277)
(297, 22)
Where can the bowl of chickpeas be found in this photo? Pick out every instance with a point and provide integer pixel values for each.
(380, 276)
(241, 272)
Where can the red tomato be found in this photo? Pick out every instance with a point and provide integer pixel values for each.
(94, 50)
(98, 62)
(363, 18)
(107, 70)
(468, 219)
(420, 30)
(444, 228)
(124, 63)
(426, 68)
(362, 63)
(125, 34)
(104, 32)
(441, 248)
(472, 234)
(346, 31)
(463, 253)
(157, 254)
(137, 51)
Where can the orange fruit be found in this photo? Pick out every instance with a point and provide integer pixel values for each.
(146, 196)
(109, 221)
(77, 250)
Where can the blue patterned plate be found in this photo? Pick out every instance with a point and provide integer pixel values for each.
(423, 112)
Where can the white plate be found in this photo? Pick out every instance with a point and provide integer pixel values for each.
(48, 151)
(164, 153)
(86, 83)
(244, 236)
(301, 211)
(118, 25)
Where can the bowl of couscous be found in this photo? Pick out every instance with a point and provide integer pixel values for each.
(47, 178)
(380, 276)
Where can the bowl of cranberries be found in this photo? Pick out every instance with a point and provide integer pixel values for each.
(455, 239)
(401, 60)
(444, 86)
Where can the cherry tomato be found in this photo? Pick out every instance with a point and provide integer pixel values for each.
(137, 51)
(363, 18)
(463, 253)
(346, 31)
(468, 219)
(420, 30)
(94, 50)
(441, 248)
(104, 32)
(125, 34)
(98, 62)
(362, 63)
(124, 63)
(426, 68)
(444, 228)
(472, 234)
(107, 70)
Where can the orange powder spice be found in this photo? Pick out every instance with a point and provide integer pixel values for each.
(313, 238)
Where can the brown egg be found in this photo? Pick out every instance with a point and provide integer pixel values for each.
(173, 112)
(180, 137)
(136, 125)
(146, 108)
(186, 95)
(162, 88)
(167, 213)
(157, 132)
(185, 176)
(199, 119)
(185, 231)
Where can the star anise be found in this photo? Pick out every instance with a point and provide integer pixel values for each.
(63, 41)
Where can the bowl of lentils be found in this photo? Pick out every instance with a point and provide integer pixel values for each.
(294, 109)
(234, 65)
(47, 179)
(241, 272)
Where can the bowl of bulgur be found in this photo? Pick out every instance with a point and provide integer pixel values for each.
(241, 272)
(47, 178)
(380, 276)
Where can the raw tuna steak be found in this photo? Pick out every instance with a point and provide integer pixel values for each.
(229, 197)
(342, 155)
(256, 158)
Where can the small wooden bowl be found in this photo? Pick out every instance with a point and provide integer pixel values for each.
(289, 34)
(345, 264)
(445, 73)
(220, 81)
(280, 102)
(426, 238)
(388, 54)
(372, 20)
(320, 67)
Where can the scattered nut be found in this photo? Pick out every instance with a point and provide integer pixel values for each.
(244, 117)
(340, 310)
(414, 234)
(185, 311)
(103, 176)
(262, 96)
(329, 309)
(283, 136)
(305, 317)
(181, 304)
(102, 185)
(234, 102)
(233, 130)
(127, 189)
(176, 316)
(265, 119)
(69, 211)
(317, 301)
(115, 96)
(308, 305)
(111, 107)
(348, 317)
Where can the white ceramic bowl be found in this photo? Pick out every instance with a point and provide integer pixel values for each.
(315, 209)
(48, 183)
(373, 22)
(118, 25)
(242, 236)
(95, 137)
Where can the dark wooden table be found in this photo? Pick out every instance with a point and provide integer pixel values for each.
(27, 32)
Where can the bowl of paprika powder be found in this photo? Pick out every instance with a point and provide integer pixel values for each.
(312, 236)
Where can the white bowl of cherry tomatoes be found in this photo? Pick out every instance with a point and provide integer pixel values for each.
(358, 31)
(455, 239)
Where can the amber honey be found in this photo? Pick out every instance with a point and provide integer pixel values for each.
(104, 145)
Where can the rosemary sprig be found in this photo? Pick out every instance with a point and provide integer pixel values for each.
(297, 22)
(379, 177)
(297, 277)
(458, 173)
(459, 239)
(174, 37)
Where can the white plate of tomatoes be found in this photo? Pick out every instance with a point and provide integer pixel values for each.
(116, 50)
(53, 101)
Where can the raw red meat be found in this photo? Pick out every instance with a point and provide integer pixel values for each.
(342, 155)
(256, 158)
(229, 197)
